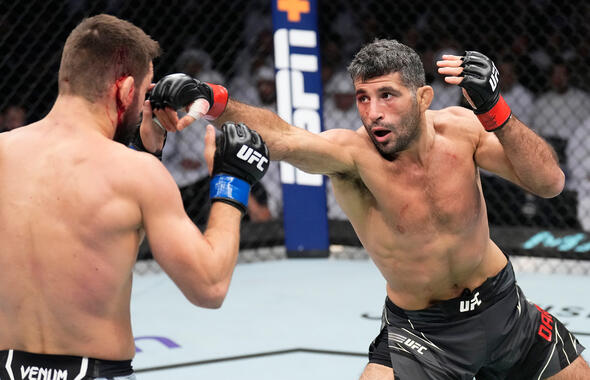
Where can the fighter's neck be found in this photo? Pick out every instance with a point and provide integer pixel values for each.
(419, 150)
(75, 111)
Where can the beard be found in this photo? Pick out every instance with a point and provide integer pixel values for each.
(128, 123)
(406, 132)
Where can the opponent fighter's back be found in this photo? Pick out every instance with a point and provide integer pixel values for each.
(69, 234)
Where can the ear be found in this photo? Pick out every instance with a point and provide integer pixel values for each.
(125, 90)
(424, 97)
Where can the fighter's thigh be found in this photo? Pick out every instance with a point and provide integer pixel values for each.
(578, 370)
(375, 371)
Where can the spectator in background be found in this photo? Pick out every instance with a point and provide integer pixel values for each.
(256, 53)
(258, 88)
(339, 103)
(14, 116)
(339, 112)
(581, 62)
(265, 95)
(560, 111)
(198, 64)
(331, 56)
(519, 97)
(519, 52)
(578, 153)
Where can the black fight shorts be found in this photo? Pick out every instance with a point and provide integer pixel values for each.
(20, 365)
(492, 332)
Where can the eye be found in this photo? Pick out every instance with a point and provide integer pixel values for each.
(387, 95)
(362, 99)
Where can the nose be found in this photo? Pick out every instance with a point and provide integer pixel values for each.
(375, 113)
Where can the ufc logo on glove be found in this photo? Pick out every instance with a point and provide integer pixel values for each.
(250, 155)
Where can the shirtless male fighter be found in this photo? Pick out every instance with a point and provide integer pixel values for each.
(74, 206)
(409, 182)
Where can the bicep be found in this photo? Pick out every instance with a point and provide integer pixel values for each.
(323, 153)
(490, 156)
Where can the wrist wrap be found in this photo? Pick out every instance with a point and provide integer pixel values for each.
(229, 189)
(495, 118)
(220, 97)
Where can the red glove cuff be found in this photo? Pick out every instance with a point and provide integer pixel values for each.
(497, 117)
(220, 97)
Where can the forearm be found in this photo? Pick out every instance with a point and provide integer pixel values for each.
(534, 161)
(223, 237)
(153, 140)
(270, 126)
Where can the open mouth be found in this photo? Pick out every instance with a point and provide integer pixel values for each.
(381, 133)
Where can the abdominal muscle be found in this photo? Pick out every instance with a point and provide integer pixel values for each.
(436, 269)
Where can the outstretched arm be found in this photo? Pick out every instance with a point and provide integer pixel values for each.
(313, 153)
(310, 152)
(512, 151)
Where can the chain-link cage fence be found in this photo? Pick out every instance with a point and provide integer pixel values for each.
(540, 48)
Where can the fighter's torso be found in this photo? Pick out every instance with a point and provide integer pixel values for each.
(424, 224)
(69, 236)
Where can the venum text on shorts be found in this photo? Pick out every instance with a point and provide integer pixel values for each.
(40, 373)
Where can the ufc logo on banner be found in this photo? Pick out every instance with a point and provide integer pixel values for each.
(494, 78)
(470, 305)
(250, 156)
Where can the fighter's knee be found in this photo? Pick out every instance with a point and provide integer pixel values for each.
(577, 370)
(377, 372)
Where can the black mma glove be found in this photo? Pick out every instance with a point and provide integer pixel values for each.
(481, 81)
(180, 90)
(241, 159)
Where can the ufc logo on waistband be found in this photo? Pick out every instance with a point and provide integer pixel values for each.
(470, 305)
(250, 156)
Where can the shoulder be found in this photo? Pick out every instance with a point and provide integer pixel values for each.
(452, 120)
(350, 140)
(354, 145)
(458, 125)
(344, 136)
(139, 173)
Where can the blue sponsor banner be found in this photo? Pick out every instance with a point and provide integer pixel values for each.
(299, 102)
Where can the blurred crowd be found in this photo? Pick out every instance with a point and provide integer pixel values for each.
(539, 46)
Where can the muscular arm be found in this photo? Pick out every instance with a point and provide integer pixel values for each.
(508, 148)
(310, 152)
(201, 265)
(517, 153)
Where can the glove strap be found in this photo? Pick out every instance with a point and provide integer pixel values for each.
(497, 117)
(220, 97)
(229, 189)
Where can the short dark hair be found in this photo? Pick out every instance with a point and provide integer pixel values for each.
(99, 51)
(382, 57)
